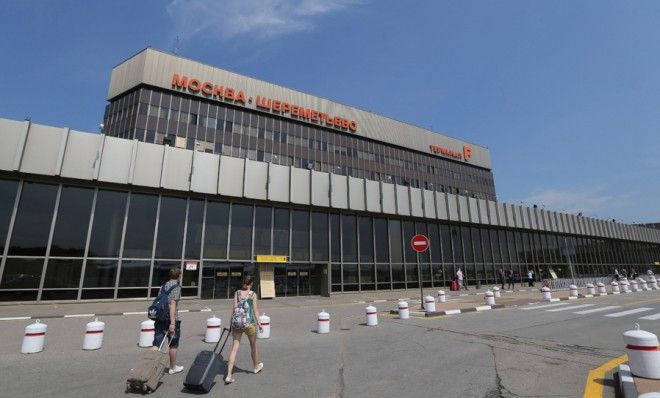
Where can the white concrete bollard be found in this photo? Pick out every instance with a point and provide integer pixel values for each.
(615, 287)
(591, 289)
(572, 291)
(653, 283)
(93, 335)
(264, 320)
(633, 285)
(496, 291)
(404, 310)
(601, 289)
(625, 286)
(213, 329)
(442, 297)
(643, 353)
(372, 315)
(429, 304)
(35, 338)
(642, 284)
(323, 322)
(490, 298)
(547, 296)
(147, 332)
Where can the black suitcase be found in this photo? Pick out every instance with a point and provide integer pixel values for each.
(207, 365)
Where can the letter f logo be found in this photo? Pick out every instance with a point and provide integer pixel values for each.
(467, 152)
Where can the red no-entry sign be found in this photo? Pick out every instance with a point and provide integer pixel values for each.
(419, 243)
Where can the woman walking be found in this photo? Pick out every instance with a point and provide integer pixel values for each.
(244, 319)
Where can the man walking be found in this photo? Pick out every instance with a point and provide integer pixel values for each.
(530, 277)
(511, 285)
(171, 327)
(502, 277)
(461, 280)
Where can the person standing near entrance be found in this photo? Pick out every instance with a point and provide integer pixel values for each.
(511, 285)
(244, 319)
(502, 277)
(461, 279)
(530, 277)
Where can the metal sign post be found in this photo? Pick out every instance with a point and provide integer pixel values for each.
(420, 243)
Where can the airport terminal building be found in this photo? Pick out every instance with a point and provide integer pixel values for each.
(225, 175)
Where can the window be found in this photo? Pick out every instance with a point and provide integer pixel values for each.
(262, 224)
(22, 273)
(366, 241)
(134, 273)
(349, 238)
(281, 232)
(169, 241)
(319, 236)
(70, 235)
(32, 225)
(382, 248)
(215, 236)
(7, 197)
(140, 224)
(108, 224)
(300, 235)
(241, 232)
(408, 233)
(194, 229)
(100, 273)
(335, 237)
(395, 241)
(62, 274)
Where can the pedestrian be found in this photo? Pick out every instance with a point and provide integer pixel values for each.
(511, 285)
(616, 274)
(530, 277)
(649, 272)
(461, 279)
(172, 326)
(244, 319)
(502, 277)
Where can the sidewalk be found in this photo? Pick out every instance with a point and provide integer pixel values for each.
(386, 300)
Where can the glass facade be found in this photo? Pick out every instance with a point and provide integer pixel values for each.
(156, 116)
(66, 242)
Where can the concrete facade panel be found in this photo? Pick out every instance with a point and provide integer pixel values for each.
(356, 194)
(452, 207)
(338, 191)
(43, 148)
(429, 204)
(116, 160)
(13, 134)
(416, 202)
(148, 165)
(81, 155)
(230, 177)
(372, 189)
(204, 177)
(474, 210)
(483, 211)
(256, 180)
(492, 213)
(320, 189)
(501, 215)
(389, 198)
(441, 206)
(402, 200)
(463, 209)
(177, 165)
(278, 183)
(533, 218)
(300, 186)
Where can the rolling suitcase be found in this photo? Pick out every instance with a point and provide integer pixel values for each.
(207, 365)
(146, 373)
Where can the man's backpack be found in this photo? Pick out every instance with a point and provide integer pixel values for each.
(159, 310)
(240, 317)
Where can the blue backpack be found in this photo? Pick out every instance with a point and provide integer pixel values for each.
(159, 310)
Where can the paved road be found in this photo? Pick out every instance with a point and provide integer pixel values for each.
(532, 350)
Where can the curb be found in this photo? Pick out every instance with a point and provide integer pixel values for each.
(25, 318)
(480, 308)
(626, 384)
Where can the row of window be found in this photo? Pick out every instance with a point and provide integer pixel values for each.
(208, 122)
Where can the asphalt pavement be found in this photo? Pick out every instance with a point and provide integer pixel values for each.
(539, 349)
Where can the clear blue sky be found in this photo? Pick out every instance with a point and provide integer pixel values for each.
(565, 93)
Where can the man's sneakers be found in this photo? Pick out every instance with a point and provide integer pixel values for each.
(175, 370)
(259, 367)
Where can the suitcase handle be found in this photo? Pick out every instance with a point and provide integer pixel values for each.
(225, 332)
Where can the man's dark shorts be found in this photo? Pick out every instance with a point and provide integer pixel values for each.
(161, 330)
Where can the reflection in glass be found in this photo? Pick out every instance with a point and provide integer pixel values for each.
(395, 241)
(32, 225)
(215, 236)
(171, 220)
(70, 235)
(241, 232)
(22, 273)
(349, 239)
(366, 241)
(262, 224)
(108, 224)
(335, 237)
(134, 273)
(100, 273)
(7, 197)
(300, 235)
(140, 225)
(62, 273)
(319, 236)
(194, 229)
(161, 272)
(382, 248)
